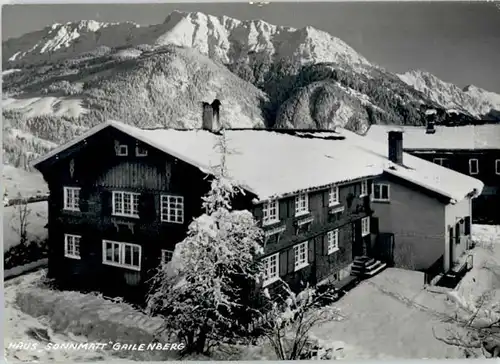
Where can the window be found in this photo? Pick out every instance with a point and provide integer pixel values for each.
(121, 254)
(166, 255)
(72, 246)
(497, 166)
(271, 213)
(72, 198)
(473, 166)
(333, 241)
(141, 152)
(303, 225)
(172, 209)
(364, 187)
(301, 204)
(440, 161)
(273, 235)
(333, 196)
(122, 150)
(381, 192)
(126, 204)
(270, 265)
(365, 226)
(300, 252)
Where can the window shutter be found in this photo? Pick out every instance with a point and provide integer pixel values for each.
(370, 187)
(84, 245)
(283, 207)
(147, 208)
(291, 260)
(283, 263)
(367, 204)
(374, 228)
(324, 243)
(291, 207)
(106, 198)
(467, 225)
(357, 230)
(310, 253)
(84, 199)
(349, 199)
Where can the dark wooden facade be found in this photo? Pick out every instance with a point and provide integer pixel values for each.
(94, 166)
(488, 162)
(97, 170)
(346, 217)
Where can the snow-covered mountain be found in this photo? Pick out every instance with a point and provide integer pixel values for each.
(65, 78)
(47, 105)
(62, 40)
(230, 40)
(472, 99)
(223, 39)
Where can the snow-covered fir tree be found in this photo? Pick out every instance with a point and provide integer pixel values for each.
(205, 292)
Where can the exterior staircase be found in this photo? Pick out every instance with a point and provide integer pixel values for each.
(364, 266)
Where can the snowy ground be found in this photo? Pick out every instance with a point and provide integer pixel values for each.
(59, 315)
(46, 105)
(37, 219)
(392, 315)
(484, 278)
(36, 332)
(28, 184)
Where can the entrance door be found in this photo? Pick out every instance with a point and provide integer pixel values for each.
(357, 240)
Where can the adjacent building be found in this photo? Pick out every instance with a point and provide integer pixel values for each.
(473, 150)
(121, 197)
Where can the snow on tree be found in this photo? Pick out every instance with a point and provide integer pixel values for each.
(479, 328)
(21, 220)
(473, 324)
(287, 326)
(205, 291)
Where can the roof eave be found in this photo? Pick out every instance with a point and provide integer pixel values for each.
(475, 192)
(260, 199)
(54, 152)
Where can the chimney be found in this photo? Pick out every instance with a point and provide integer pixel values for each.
(396, 147)
(431, 121)
(210, 117)
(216, 104)
(430, 127)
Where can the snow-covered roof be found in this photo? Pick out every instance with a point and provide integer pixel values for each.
(431, 176)
(465, 137)
(272, 164)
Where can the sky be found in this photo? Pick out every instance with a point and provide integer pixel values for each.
(458, 42)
